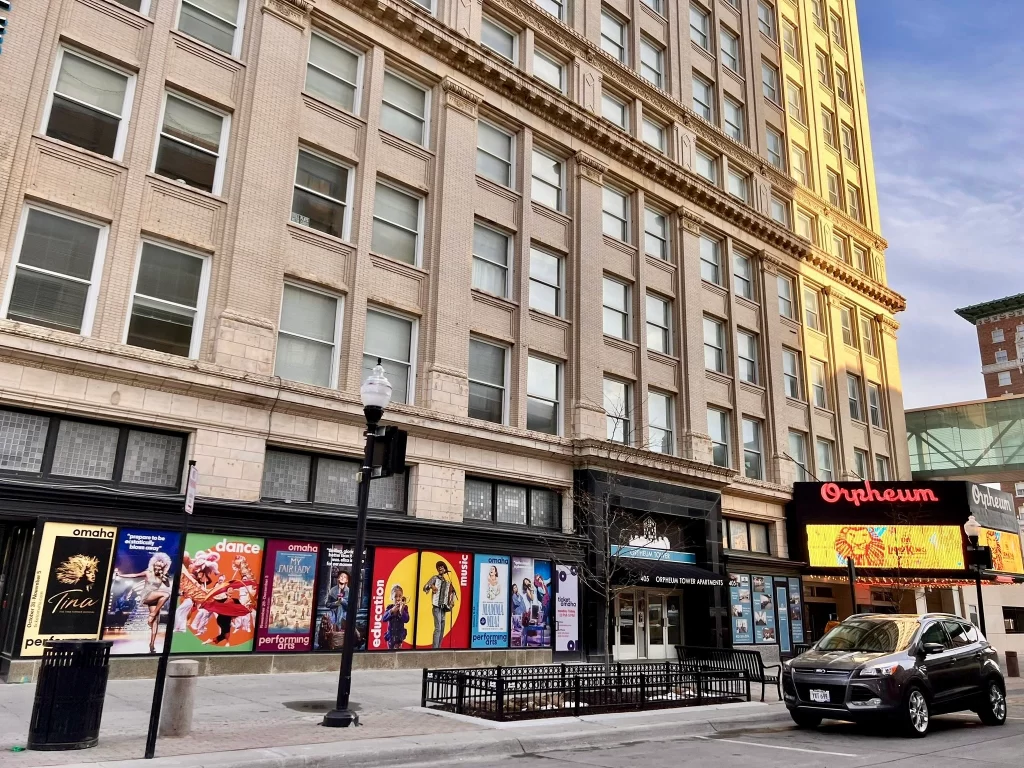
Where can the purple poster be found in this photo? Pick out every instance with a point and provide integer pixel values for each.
(286, 613)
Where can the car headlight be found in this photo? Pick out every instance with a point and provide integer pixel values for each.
(787, 664)
(882, 670)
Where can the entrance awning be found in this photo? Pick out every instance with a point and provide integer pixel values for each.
(664, 573)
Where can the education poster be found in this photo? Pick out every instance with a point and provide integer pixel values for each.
(531, 603)
(764, 609)
(69, 586)
(739, 610)
(444, 613)
(286, 611)
(393, 599)
(332, 603)
(490, 601)
(567, 608)
(220, 583)
(796, 613)
(140, 588)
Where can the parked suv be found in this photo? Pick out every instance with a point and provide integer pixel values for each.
(898, 667)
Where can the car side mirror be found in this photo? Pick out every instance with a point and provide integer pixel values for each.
(930, 649)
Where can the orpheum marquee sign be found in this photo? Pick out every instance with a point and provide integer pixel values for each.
(834, 492)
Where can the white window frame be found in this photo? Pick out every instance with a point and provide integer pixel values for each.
(812, 308)
(1003, 379)
(788, 26)
(816, 367)
(559, 289)
(419, 217)
(664, 323)
(509, 251)
(712, 162)
(828, 128)
(853, 202)
(704, 31)
(725, 423)
(794, 310)
(855, 396)
(775, 87)
(414, 338)
(626, 223)
(239, 24)
(1001, 356)
(627, 314)
(780, 204)
(803, 471)
(654, 5)
(543, 5)
(772, 23)
(860, 463)
(874, 393)
(559, 390)
(837, 32)
(732, 61)
(126, 105)
(89, 312)
(739, 279)
(222, 147)
(543, 54)
(511, 162)
(505, 381)
(488, 19)
(795, 102)
(883, 468)
(666, 253)
(649, 46)
(339, 313)
(357, 97)
(743, 180)
(657, 126)
(777, 159)
(867, 336)
(1018, 490)
(627, 419)
(744, 341)
(622, 47)
(716, 266)
(728, 125)
(561, 179)
(825, 473)
(792, 380)
(709, 108)
(346, 225)
(427, 93)
(620, 104)
(759, 431)
(201, 297)
(669, 423)
(721, 346)
(842, 80)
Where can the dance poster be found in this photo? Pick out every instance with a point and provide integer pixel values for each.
(567, 608)
(220, 583)
(140, 588)
(739, 609)
(69, 586)
(531, 603)
(393, 598)
(286, 611)
(332, 603)
(764, 609)
(444, 613)
(490, 601)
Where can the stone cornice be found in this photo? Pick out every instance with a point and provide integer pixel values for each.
(590, 452)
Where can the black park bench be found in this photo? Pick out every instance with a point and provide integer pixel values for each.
(733, 660)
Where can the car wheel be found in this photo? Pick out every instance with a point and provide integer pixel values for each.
(804, 719)
(993, 708)
(916, 714)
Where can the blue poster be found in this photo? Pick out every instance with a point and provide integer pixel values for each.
(739, 609)
(764, 609)
(796, 613)
(531, 603)
(490, 602)
(780, 600)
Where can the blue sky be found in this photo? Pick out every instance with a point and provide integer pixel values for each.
(945, 82)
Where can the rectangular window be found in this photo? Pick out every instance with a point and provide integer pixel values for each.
(548, 69)
(57, 274)
(818, 13)
(759, 538)
(738, 185)
(805, 225)
(700, 23)
(546, 175)
(843, 85)
(703, 98)
(853, 203)
(333, 72)
(491, 251)
(494, 153)
(486, 381)
(875, 410)
(320, 196)
(860, 464)
(791, 370)
(654, 5)
(770, 82)
(824, 68)
(734, 120)
(746, 352)
(776, 147)
(1018, 490)
(652, 62)
(214, 22)
(615, 110)
(327, 480)
(839, 248)
(835, 192)
(545, 282)
(543, 386)
(616, 308)
(798, 454)
(654, 134)
(826, 473)
(659, 409)
(790, 39)
(795, 101)
(707, 166)
(846, 323)
(860, 258)
(882, 472)
(617, 411)
(835, 25)
(390, 338)
(659, 324)
(511, 504)
(714, 345)
(997, 335)
(656, 234)
(729, 45)
(828, 127)
(787, 305)
(766, 19)
(396, 224)
(168, 302)
(812, 315)
(307, 337)
(854, 393)
(742, 275)
(554, 7)
(819, 384)
(1001, 356)
(710, 260)
(498, 38)
(403, 109)
(718, 430)
(867, 335)
(1003, 378)
(192, 144)
(615, 214)
(613, 36)
(849, 144)
(780, 211)
(753, 465)
(798, 164)
(89, 104)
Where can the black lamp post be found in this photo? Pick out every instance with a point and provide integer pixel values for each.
(979, 558)
(376, 396)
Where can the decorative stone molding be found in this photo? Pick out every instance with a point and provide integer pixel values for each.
(690, 221)
(238, 317)
(697, 447)
(461, 97)
(295, 12)
(769, 262)
(833, 294)
(590, 168)
(888, 325)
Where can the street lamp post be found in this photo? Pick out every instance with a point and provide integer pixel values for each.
(977, 563)
(375, 394)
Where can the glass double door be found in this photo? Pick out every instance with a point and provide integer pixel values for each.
(647, 624)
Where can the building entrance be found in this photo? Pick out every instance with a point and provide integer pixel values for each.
(647, 625)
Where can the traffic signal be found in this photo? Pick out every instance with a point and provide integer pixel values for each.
(389, 452)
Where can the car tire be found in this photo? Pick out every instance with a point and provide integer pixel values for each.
(992, 709)
(805, 719)
(915, 716)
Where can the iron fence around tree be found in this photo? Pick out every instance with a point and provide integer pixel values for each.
(553, 690)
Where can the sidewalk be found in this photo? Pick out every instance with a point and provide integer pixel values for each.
(272, 721)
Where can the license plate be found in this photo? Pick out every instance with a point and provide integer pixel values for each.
(821, 697)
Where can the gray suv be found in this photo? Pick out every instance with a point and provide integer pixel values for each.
(897, 667)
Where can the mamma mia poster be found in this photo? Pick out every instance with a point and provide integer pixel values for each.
(490, 601)
(286, 611)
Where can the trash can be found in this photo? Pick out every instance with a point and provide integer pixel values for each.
(69, 696)
(1012, 665)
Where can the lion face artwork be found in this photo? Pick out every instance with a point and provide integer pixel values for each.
(862, 545)
(78, 568)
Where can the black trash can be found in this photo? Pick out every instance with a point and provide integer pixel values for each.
(70, 689)
(1012, 666)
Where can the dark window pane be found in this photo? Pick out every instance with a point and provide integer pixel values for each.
(169, 275)
(543, 508)
(182, 163)
(48, 301)
(478, 503)
(152, 459)
(85, 450)
(541, 416)
(286, 476)
(22, 440)
(206, 27)
(318, 213)
(84, 127)
(165, 330)
(485, 402)
(58, 244)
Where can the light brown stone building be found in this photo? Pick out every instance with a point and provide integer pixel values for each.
(650, 222)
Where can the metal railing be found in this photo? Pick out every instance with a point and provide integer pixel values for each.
(519, 693)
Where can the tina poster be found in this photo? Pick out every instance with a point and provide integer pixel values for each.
(69, 585)
(531, 601)
(220, 582)
(393, 596)
(286, 611)
(443, 616)
(140, 587)
(332, 602)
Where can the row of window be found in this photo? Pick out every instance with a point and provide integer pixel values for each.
(858, 328)
(746, 536)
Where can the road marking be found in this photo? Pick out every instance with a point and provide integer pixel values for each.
(777, 746)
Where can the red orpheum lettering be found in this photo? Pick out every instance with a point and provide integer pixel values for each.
(832, 492)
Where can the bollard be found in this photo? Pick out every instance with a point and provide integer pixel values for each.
(179, 698)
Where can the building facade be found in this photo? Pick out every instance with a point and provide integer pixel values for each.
(219, 214)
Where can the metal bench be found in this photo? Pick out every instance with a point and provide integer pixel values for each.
(734, 660)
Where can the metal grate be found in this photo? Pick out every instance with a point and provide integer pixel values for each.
(22, 440)
(478, 500)
(85, 450)
(152, 459)
(286, 476)
(543, 508)
(511, 504)
(337, 482)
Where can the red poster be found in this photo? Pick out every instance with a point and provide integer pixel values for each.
(286, 610)
(393, 595)
(445, 595)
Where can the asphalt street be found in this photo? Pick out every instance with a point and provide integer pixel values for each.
(954, 740)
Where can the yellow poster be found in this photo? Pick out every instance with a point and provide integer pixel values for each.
(894, 547)
(1006, 554)
(69, 586)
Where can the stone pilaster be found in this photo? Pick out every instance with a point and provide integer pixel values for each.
(695, 443)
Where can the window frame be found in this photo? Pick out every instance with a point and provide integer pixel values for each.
(791, 299)
(849, 143)
(771, 91)
(1003, 379)
(842, 81)
(712, 163)
(646, 121)
(739, 279)
(509, 258)
(867, 336)
(622, 47)
(794, 30)
(825, 473)
(772, 24)
(414, 336)
(846, 326)
(427, 104)
(823, 68)
(758, 430)
(339, 316)
(669, 429)
(239, 25)
(730, 126)
(820, 397)
(505, 385)
(664, 326)
(781, 204)
(711, 265)
(828, 127)
(357, 97)
(626, 314)
(708, 108)
(346, 224)
(625, 221)
(725, 425)
(559, 289)
(559, 392)
(855, 396)
(542, 53)
(558, 3)
(621, 104)
(743, 180)
(836, 30)
(780, 162)
(530, 489)
(798, 169)
(628, 419)
(487, 18)
(835, 191)
(861, 462)
(876, 406)
(731, 60)
(705, 31)
(748, 525)
(883, 468)
(748, 342)
(511, 162)
(384, 181)
(664, 240)
(649, 45)
(217, 187)
(854, 206)
(795, 104)
(561, 179)
(719, 349)
(792, 381)
(803, 471)
(812, 308)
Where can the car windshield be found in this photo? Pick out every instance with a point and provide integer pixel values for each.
(887, 636)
